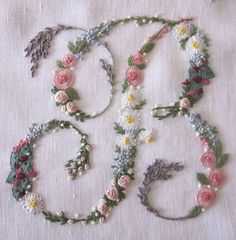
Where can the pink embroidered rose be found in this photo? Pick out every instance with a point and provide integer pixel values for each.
(216, 177)
(124, 181)
(103, 208)
(112, 193)
(138, 59)
(61, 96)
(208, 159)
(206, 197)
(69, 60)
(185, 103)
(134, 76)
(72, 107)
(63, 79)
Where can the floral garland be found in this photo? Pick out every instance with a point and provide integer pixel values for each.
(129, 132)
(66, 96)
(23, 173)
(191, 40)
(195, 43)
(212, 157)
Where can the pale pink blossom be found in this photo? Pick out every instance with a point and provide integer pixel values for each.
(134, 76)
(63, 79)
(72, 107)
(124, 181)
(216, 177)
(208, 159)
(206, 197)
(61, 96)
(112, 193)
(69, 60)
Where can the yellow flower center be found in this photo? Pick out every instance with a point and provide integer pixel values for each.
(129, 119)
(149, 139)
(181, 31)
(126, 141)
(131, 97)
(32, 203)
(195, 45)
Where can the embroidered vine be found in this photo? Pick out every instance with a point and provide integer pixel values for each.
(128, 127)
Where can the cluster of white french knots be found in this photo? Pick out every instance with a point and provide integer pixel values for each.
(128, 127)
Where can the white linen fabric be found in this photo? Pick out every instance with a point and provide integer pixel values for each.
(24, 100)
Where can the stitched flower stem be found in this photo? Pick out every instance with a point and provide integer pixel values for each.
(141, 20)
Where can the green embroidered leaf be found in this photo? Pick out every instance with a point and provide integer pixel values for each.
(218, 149)
(193, 31)
(140, 66)
(183, 43)
(119, 129)
(196, 211)
(11, 177)
(125, 85)
(206, 72)
(54, 90)
(26, 150)
(59, 64)
(221, 161)
(71, 47)
(202, 178)
(139, 105)
(147, 47)
(72, 93)
(13, 159)
(80, 45)
(53, 124)
(130, 61)
(26, 184)
(27, 166)
(15, 193)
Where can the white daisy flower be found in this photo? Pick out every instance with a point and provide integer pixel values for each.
(126, 141)
(129, 118)
(32, 203)
(181, 31)
(147, 136)
(130, 98)
(195, 45)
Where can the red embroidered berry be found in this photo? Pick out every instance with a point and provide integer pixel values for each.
(32, 173)
(186, 82)
(20, 174)
(200, 91)
(16, 183)
(16, 166)
(197, 79)
(24, 158)
(22, 193)
(196, 69)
